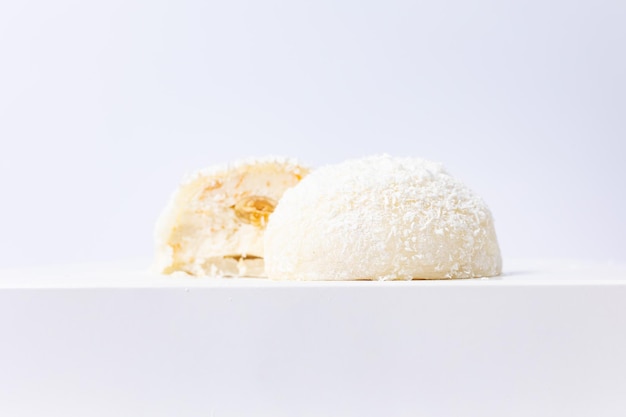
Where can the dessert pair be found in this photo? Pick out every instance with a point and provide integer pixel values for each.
(375, 218)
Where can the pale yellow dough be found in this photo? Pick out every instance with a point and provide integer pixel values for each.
(215, 221)
(381, 218)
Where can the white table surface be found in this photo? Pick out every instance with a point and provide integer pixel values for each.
(548, 338)
(138, 274)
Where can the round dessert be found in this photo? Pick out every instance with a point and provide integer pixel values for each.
(215, 221)
(381, 218)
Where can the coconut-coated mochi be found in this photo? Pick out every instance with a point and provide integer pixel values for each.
(381, 218)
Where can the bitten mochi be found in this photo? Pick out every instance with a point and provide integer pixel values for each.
(215, 221)
(381, 218)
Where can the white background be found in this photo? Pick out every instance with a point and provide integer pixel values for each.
(105, 105)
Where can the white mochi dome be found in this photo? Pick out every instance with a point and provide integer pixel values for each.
(381, 218)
